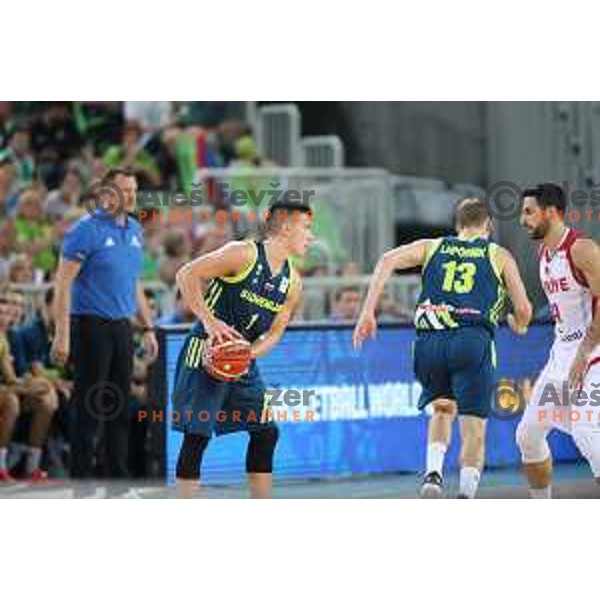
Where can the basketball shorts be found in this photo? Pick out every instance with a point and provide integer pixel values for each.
(203, 405)
(458, 364)
(553, 404)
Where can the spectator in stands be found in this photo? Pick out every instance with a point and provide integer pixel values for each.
(153, 244)
(54, 140)
(177, 253)
(131, 154)
(347, 304)
(228, 133)
(246, 152)
(19, 145)
(181, 313)
(8, 198)
(389, 309)
(7, 245)
(100, 123)
(64, 199)
(34, 235)
(152, 115)
(20, 270)
(350, 269)
(30, 344)
(212, 236)
(9, 403)
(33, 393)
(5, 122)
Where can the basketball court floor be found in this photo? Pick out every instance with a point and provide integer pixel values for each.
(570, 481)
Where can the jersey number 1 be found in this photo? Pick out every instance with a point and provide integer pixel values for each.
(253, 320)
(460, 277)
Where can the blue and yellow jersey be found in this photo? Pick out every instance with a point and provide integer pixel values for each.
(250, 300)
(462, 285)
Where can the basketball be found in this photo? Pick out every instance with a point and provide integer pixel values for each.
(228, 360)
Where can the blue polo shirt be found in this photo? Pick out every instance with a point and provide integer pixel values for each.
(111, 257)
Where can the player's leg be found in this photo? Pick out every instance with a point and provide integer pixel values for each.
(198, 400)
(189, 463)
(472, 454)
(472, 360)
(585, 421)
(431, 370)
(259, 461)
(43, 406)
(246, 409)
(9, 411)
(531, 437)
(439, 436)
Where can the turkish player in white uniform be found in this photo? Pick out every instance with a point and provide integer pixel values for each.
(567, 392)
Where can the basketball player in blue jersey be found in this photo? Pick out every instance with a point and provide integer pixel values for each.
(465, 282)
(253, 292)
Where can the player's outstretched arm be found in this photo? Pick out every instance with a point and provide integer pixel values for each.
(269, 340)
(403, 257)
(520, 318)
(229, 260)
(586, 258)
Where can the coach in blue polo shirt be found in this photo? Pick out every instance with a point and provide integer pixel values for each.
(97, 291)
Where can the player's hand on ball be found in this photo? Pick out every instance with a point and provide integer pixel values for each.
(228, 360)
(60, 349)
(365, 328)
(219, 331)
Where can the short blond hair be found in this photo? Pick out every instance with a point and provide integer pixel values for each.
(471, 212)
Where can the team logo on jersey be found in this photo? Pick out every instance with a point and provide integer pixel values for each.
(109, 242)
(284, 285)
(269, 287)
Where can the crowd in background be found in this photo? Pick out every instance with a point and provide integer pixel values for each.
(50, 154)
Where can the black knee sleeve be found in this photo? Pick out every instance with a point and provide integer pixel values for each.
(261, 448)
(190, 456)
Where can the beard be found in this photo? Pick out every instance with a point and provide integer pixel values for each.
(539, 232)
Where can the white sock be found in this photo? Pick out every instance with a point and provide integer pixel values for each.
(469, 481)
(3, 456)
(436, 452)
(541, 493)
(34, 456)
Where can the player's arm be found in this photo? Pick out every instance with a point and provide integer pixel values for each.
(226, 261)
(403, 257)
(520, 318)
(265, 343)
(65, 275)
(586, 257)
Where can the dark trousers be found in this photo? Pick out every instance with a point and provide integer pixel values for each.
(102, 354)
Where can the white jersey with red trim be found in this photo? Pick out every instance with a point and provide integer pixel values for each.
(572, 305)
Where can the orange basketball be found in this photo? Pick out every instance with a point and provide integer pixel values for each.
(228, 360)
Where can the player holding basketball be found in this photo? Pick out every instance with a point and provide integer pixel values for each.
(465, 281)
(253, 292)
(570, 276)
